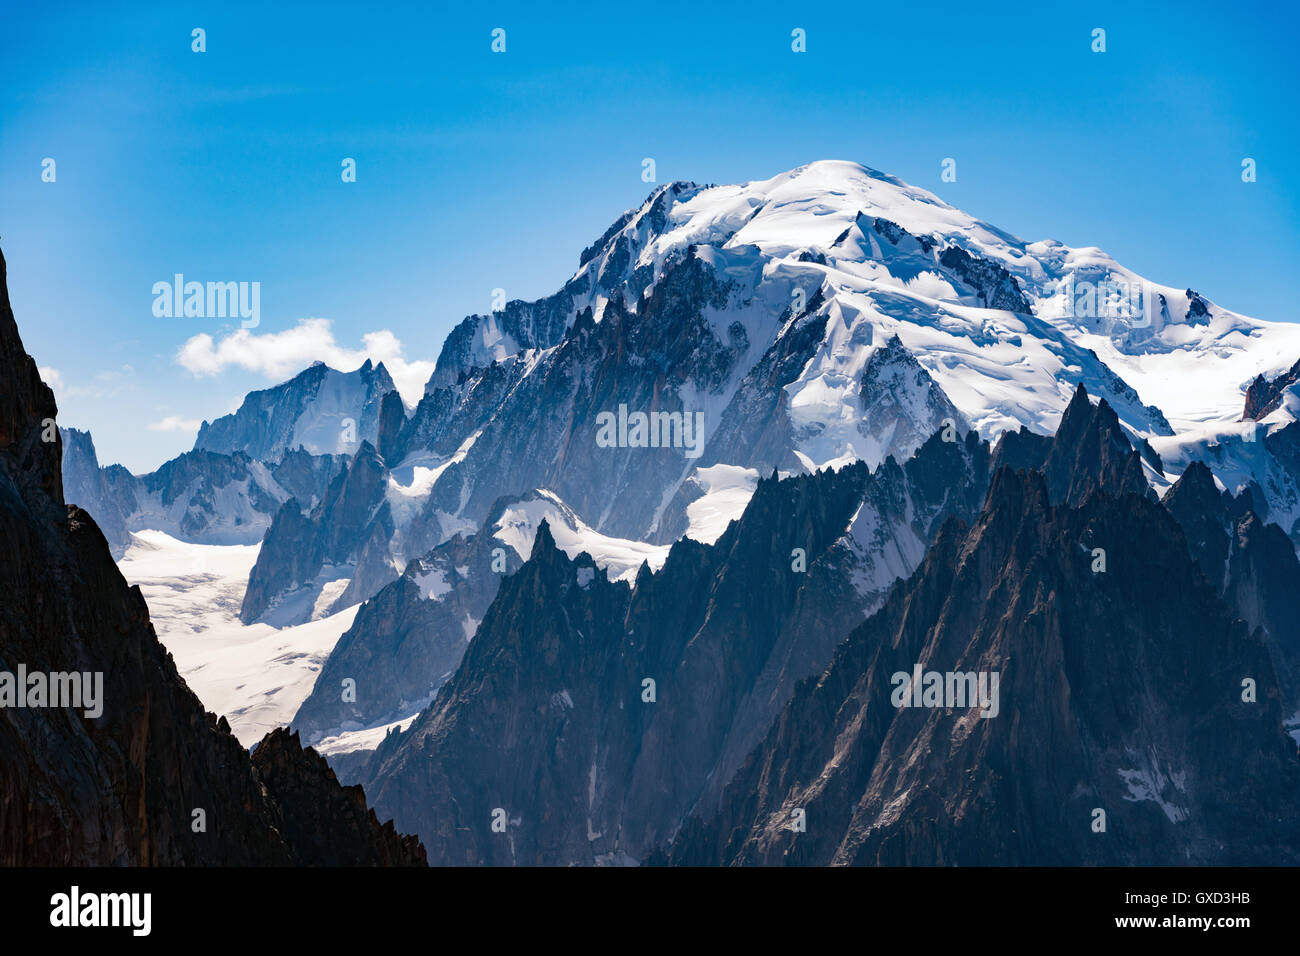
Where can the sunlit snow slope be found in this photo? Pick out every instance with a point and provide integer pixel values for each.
(255, 676)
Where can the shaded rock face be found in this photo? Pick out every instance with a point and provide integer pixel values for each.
(122, 788)
(1250, 563)
(755, 426)
(532, 420)
(550, 718)
(1284, 447)
(298, 549)
(655, 358)
(451, 412)
(107, 493)
(320, 409)
(993, 285)
(903, 404)
(1119, 691)
(307, 477)
(407, 640)
(1264, 395)
(323, 823)
(1088, 454)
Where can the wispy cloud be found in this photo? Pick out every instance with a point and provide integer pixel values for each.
(279, 355)
(102, 385)
(174, 423)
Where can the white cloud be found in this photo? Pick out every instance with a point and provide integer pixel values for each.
(280, 355)
(106, 384)
(174, 423)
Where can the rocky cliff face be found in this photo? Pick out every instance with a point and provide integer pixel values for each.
(321, 410)
(300, 552)
(1137, 720)
(1264, 396)
(111, 494)
(1249, 562)
(153, 779)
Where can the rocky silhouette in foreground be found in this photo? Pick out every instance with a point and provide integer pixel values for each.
(153, 779)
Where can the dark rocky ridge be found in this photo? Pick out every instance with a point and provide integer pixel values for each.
(545, 717)
(119, 789)
(110, 494)
(1119, 690)
(298, 547)
(1250, 563)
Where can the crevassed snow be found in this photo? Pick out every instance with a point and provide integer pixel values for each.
(810, 207)
(781, 241)
(727, 490)
(254, 675)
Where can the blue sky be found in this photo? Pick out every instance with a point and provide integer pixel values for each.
(478, 170)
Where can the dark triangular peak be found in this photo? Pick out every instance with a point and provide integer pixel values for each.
(1090, 454)
(887, 230)
(950, 471)
(392, 419)
(545, 550)
(995, 287)
(1152, 457)
(1263, 588)
(654, 690)
(1201, 509)
(892, 231)
(326, 824)
(1249, 561)
(1023, 450)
